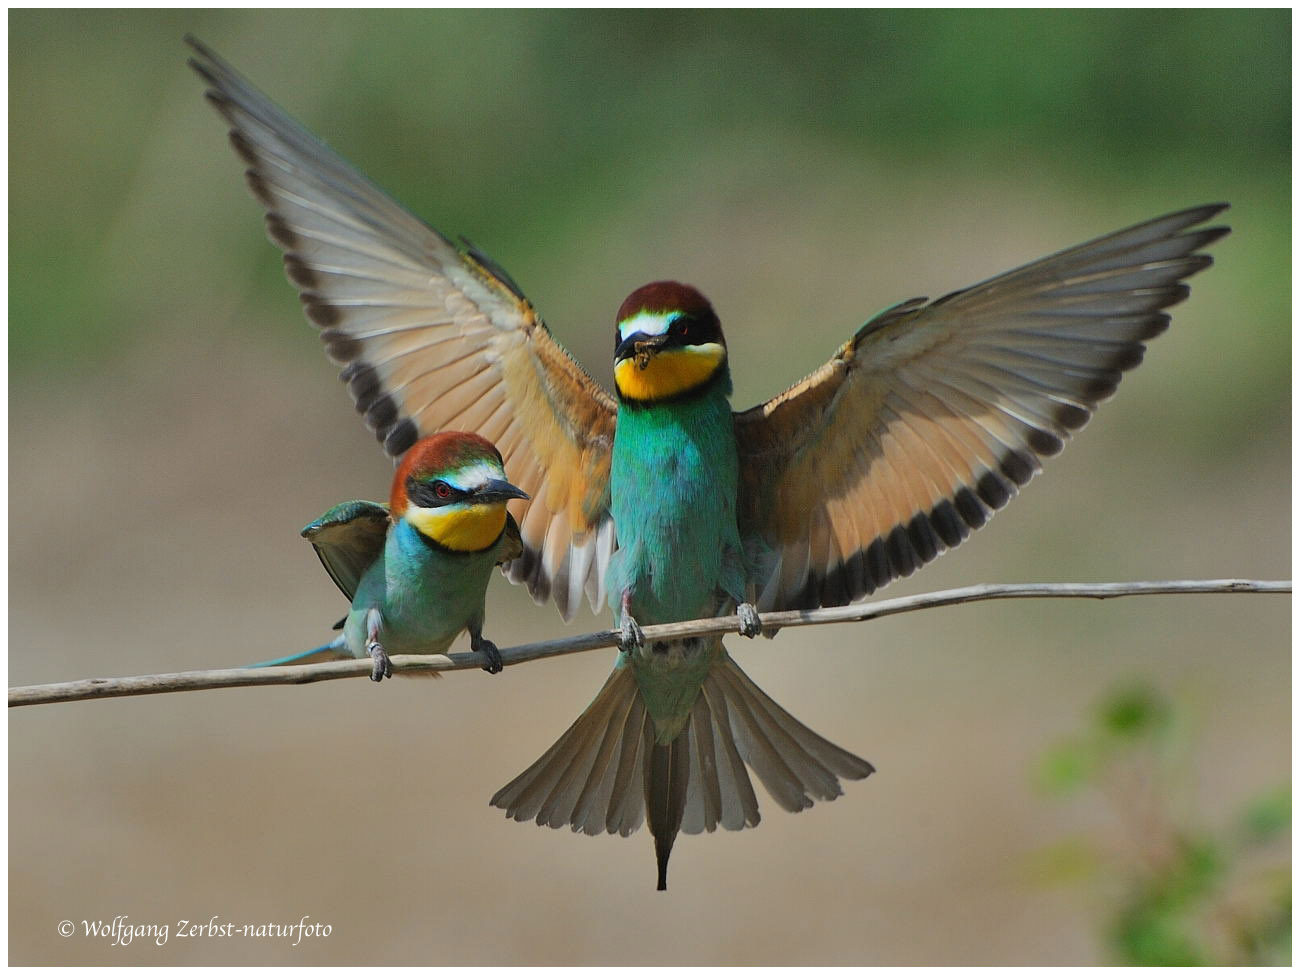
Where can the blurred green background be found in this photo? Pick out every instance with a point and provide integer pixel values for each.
(173, 423)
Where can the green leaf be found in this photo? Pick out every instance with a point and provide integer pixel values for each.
(1267, 815)
(1134, 712)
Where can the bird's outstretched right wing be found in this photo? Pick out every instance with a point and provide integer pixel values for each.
(432, 338)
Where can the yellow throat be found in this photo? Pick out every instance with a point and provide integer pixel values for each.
(460, 527)
(667, 373)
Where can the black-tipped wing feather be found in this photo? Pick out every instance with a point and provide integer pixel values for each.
(933, 415)
(433, 338)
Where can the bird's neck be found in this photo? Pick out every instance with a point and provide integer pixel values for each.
(709, 406)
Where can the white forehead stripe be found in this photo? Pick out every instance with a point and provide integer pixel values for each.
(472, 475)
(647, 323)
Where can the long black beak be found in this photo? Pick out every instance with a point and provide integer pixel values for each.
(638, 345)
(498, 490)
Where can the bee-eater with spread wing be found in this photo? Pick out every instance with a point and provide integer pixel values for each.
(665, 503)
(417, 569)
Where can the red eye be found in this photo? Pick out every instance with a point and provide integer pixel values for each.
(442, 489)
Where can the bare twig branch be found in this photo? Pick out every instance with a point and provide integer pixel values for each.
(197, 680)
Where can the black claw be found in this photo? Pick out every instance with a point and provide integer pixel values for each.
(489, 650)
(750, 625)
(383, 666)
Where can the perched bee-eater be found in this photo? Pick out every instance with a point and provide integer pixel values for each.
(667, 505)
(417, 569)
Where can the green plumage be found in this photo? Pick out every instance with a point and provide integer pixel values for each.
(426, 596)
(673, 480)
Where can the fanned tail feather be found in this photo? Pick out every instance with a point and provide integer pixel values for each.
(608, 772)
(794, 763)
(666, 793)
(585, 780)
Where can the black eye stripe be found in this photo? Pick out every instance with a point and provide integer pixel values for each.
(425, 493)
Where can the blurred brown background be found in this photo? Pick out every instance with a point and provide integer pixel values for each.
(173, 424)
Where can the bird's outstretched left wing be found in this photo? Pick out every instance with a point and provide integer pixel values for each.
(433, 338)
(934, 414)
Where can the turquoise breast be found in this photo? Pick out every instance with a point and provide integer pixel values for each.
(673, 480)
(425, 595)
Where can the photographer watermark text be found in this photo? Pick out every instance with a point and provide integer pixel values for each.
(122, 930)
